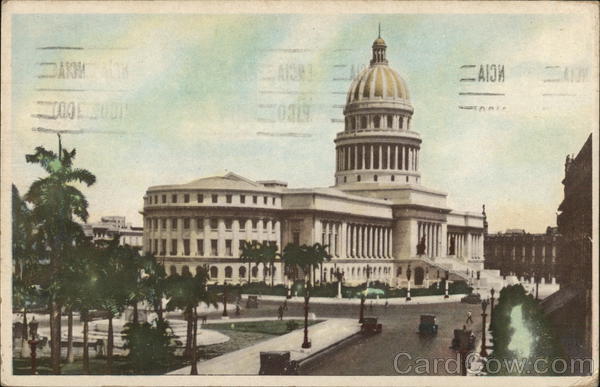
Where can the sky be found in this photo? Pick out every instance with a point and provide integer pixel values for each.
(167, 99)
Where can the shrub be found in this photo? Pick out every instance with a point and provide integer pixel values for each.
(149, 345)
(291, 325)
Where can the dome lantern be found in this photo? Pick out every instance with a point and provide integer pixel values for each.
(379, 47)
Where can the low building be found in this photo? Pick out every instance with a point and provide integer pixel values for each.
(519, 253)
(111, 227)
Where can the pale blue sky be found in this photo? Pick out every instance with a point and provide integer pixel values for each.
(200, 87)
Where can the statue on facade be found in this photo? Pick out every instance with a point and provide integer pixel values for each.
(452, 246)
(421, 246)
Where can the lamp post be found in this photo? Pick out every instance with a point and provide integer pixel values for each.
(408, 273)
(225, 300)
(368, 274)
(362, 309)
(537, 285)
(306, 343)
(492, 291)
(446, 285)
(484, 304)
(339, 275)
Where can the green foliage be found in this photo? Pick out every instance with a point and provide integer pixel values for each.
(544, 344)
(291, 325)
(149, 345)
(304, 257)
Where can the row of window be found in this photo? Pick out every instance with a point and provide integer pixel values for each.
(376, 178)
(157, 224)
(214, 271)
(214, 198)
(386, 121)
(159, 247)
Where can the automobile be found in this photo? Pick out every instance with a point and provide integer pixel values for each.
(463, 339)
(277, 363)
(252, 302)
(370, 325)
(428, 324)
(473, 298)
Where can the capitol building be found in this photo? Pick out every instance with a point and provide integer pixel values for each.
(378, 220)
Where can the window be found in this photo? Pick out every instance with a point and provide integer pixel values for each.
(228, 251)
(345, 179)
(363, 122)
(214, 272)
(214, 224)
(242, 224)
(376, 121)
(164, 224)
(254, 224)
(186, 223)
(173, 246)
(213, 247)
(358, 178)
(186, 247)
(393, 178)
(296, 237)
(185, 271)
(186, 198)
(242, 199)
(228, 198)
(174, 198)
(164, 198)
(254, 272)
(241, 244)
(228, 272)
(200, 246)
(200, 223)
(375, 178)
(174, 224)
(228, 223)
(155, 250)
(242, 272)
(215, 198)
(155, 224)
(200, 198)
(400, 122)
(273, 200)
(254, 199)
(390, 121)
(163, 246)
(265, 200)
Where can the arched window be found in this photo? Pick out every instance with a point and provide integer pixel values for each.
(358, 178)
(186, 271)
(399, 271)
(393, 178)
(390, 122)
(254, 272)
(198, 269)
(214, 272)
(363, 122)
(375, 178)
(400, 122)
(419, 275)
(353, 272)
(172, 270)
(228, 272)
(242, 272)
(376, 121)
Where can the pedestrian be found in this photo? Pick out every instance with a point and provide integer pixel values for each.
(469, 318)
(285, 305)
(237, 309)
(371, 305)
(386, 304)
(280, 312)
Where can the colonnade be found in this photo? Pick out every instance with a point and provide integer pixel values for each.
(431, 234)
(377, 156)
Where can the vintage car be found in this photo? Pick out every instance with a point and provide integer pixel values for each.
(463, 339)
(277, 363)
(473, 298)
(252, 302)
(428, 324)
(370, 325)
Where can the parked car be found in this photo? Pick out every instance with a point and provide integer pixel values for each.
(463, 339)
(428, 324)
(370, 325)
(277, 363)
(473, 298)
(252, 302)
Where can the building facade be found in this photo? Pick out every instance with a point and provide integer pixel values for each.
(378, 220)
(527, 256)
(111, 227)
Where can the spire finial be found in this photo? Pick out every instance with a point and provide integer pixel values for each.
(379, 31)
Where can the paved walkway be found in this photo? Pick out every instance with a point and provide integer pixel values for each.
(438, 299)
(246, 361)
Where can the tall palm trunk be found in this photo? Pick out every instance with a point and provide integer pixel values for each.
(135, 312)
(194, 370)
(272, 276)
(86, 353)
(24, 341)
(55, 335)
(249, 270)
(109, 348)
(188, 337)
(70, 354)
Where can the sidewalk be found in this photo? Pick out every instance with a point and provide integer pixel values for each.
(246, 361)
(438, 299)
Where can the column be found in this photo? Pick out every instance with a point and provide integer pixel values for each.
(235, 244)
(397, 154)
(468, 246)
(369, 241)
(207, 233)
(371, 157)
(343, 240)
(355, 156)
(221, 238)
(354, 241)
(384, 241)
(379, 243)
(278, 234)
(417, 161)
(444, 239)
(380, 156)
(359, 241)
(363, 157)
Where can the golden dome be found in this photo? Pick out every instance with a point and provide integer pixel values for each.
(379, 42)
(378, 82)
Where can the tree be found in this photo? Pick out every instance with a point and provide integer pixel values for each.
(149, 345)
(256, 253)
(250, 253)
(185, 292)
(153, 283)
(56, 204)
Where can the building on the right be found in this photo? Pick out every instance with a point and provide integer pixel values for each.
(570, 309)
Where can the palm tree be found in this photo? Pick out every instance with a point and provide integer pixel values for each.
(55, 205)
(250, 252)
(185, 293)
(153, 283)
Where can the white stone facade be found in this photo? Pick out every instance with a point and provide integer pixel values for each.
(374, 219)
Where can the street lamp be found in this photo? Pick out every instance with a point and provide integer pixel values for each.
(484, 304)
(362, 309)
(492, 291)
(368, 274)
(408, 273)
(339, 275)
(306, 343)
(446, 285)
(225, 299)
